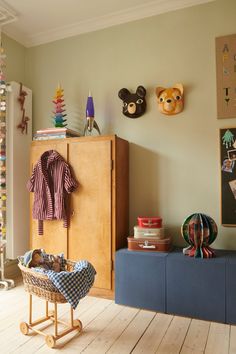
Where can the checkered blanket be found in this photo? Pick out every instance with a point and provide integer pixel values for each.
(76, 284)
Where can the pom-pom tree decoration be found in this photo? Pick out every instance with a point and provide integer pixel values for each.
(199, 231)
(59, 114)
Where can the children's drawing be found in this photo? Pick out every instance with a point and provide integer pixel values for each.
(228, 139)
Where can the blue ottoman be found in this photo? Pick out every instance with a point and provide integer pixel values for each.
(231, 288)
(196, 287)
(140, 279)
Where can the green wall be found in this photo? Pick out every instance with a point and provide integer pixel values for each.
(174, 161)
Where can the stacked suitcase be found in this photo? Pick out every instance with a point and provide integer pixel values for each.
(149, 236)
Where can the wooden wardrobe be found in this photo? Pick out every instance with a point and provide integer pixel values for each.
(99, 208)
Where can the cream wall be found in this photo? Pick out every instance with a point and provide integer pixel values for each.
(15, 61)
(174, 162)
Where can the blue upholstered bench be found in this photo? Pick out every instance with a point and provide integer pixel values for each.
(177, 284)
(140, 279)
(231, 288)
(196, 287)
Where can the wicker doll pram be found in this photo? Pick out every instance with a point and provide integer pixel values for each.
(40, 285)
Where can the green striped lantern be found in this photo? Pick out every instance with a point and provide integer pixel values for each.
(199, 231)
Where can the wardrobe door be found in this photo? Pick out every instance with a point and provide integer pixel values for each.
(54, 239)
(89, 234)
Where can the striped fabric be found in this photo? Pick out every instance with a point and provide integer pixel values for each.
(51, 182)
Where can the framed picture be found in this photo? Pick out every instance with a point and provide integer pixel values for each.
(232, 185)
(226, 76)
(227, 165)
(228, 176)
(232, 155)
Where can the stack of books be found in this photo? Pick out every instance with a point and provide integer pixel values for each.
(54, 133)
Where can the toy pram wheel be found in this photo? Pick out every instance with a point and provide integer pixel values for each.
(78, 324)
(24, 328)
(50, 340)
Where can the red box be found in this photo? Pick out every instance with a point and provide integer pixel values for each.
(151, 223)
(149, 245)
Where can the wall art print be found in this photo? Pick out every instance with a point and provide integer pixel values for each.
(228, 176)
(226, 76)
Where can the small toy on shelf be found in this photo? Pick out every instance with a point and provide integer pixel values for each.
(90, 121)
(199, 231)
(59, 108)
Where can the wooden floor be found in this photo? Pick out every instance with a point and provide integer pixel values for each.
(111, 328)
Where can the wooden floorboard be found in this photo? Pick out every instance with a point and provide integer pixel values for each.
(102, 343)
(218, 339)
(232, 343)
(196, 338)
(110, 328)
(154, 334)
(130, 336)
(92, 330)
(174, 337)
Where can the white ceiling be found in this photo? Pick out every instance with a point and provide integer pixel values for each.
(34, 22)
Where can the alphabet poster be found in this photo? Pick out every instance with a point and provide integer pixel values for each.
(226, 76)
(228, 176)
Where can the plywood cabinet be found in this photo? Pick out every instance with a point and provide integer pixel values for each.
(98, 208)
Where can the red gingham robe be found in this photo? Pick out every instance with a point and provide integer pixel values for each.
(51, 181)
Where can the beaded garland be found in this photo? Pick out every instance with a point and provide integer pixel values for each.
(3, 196)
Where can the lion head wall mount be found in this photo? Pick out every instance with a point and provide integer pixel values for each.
(134, 104)
(170, 100)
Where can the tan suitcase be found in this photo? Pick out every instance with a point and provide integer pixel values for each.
(149, 244)
(143, 232)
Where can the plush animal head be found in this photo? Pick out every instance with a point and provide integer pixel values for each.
(170, 100)
(134, 104)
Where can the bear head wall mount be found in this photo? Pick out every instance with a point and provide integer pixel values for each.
(170, 100)
(134, 104)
